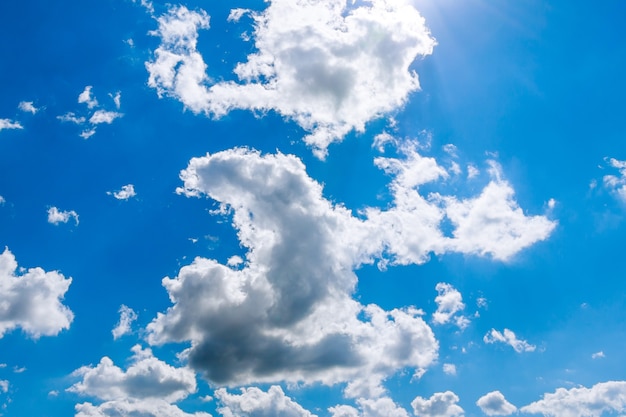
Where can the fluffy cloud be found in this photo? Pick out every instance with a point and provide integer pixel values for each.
(133, 408)
(104, 116)
(252, 402)
(87, 97)
(449, 302)
(449, 369)
(378, 407)
(491, 224)
(509, 338)
(288, 313)
(440, 404)
(494, 404)
(576, 402)
(126, 192)
(328, 65)
(146, 378)
(55, 216)
(9, 124)
(27, 107)
(32, 301)
(127, 317)
(616, 184)
(4, 386)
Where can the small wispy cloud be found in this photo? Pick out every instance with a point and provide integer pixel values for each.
(9, 124)
(27, 107)
(56, 216)
(126, 192)
(508, 337)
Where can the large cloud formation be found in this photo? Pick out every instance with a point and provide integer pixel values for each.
(148, 387)
(32, 301)
(288, 314)
(329, 65)
(604, 397)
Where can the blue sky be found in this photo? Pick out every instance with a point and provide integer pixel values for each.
(279, 208)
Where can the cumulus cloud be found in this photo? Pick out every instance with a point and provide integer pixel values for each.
(509, 338)
(127, 317)
(616, 184)
(490, 224)
(494, 404)
(4, 386)
(55, 216)
(87, 97)
(377, 407)
(32, 301)
(288, 314)
(252, 402)
(449, 302)
(27, 107)
(328, 65)
(604, 397)
(440, 404)
(133, 408)
(9, 124)
(126, 192)
(146, 378)
(104, 116)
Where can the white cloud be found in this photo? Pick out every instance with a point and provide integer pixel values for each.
(377, 407)
(127, 317)
(491, 224)
(494, 404)
(126, 192)
(2, 201)
(55, 216)
(616, 184)
(146, 378)
(252, 402)
(509, 338)
(104, 116)
(288, 314)
(449, 369)
(86, 97)
(4, 386)
(133, 408)
(609, 397)
(27, 107)
(117, 99)
(236, 14)
(87, 133)
(72, 118)
(597, 355)
(440, 404)
(32, 301)
(449, 302)
(9, 124)
(472, 172)
(329, 66)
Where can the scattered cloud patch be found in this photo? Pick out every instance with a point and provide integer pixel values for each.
(329, 66)
(27, 107)
(56, 216)
(604, 397)
(9, 124)
(449, 302)
(133, 408)
(2, 201)
(597, 355)
(4, 386)
(104, 116)
(494, 404)
(616, 184)
(375, 407)
(32, 301)
(117, 99)
(254, 402)
(87, 98)
(449, 369)
(126, 192)
(127, 317)
(509, 338)
(146, 378)
(72, 118)
(440, 404)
